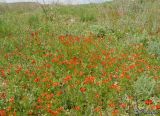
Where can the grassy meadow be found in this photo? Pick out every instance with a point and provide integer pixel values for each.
(80, 60)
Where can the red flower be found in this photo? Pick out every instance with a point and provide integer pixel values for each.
(33, 34)
(11, 100)
(49, 96)
(97, 95)
(157, 107)
(82, 89)
(36, 79)
(148, 102)
(131, 67)
(3, 73)
(123, 105)
(89, 80)
(55, 84)
(39, 100)
(77, 108)
(60, 109)
(3, 113)
(33, 61)
(48, 65)
(39, 107)
(116, 87)
(62, 37)
(97, 109)
(115, 112)
(67, 78)
(59, 93)
(19, 68)
(74, 61)
(111, 105)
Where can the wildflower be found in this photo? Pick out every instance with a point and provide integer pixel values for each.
(3, 73)
(47, 55)
(74, 61)
(131, 67)
(30, 113)
(123, 105)
(148, 102)
(48, 65)
(77, 39)
(49, 96)
(89, 80)
(82, 89)
(59, 93)
(52, 112)
(97, 109)
(60, 109)
(39, 100)
(55, 84)
(157, 107)
(32, 74)
(111, 105)
(39, 107)
(36, 79)
(104, 74)
(115, 86)
(62, 37)
(33, 61)
(33, 34)
(88, 40)
(55, 59)
(2, 95)
(97, 95)
(122, 74)
(91, 66)
(77, 108)
(49, 105)
(129, 97)
(128, 77)
(14, 113)
(3, 113)
(106, 80)
(9, 108)
(19, 68)
(67, 78)
(11, 100)
(81, 73)
(46, 79)
(115, 112)
(43, 94)
(153, 107)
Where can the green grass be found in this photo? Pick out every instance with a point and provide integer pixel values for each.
(96, 59)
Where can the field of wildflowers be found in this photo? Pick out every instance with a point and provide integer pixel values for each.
(76, 62)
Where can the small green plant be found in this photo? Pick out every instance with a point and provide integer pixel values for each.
(98, 30)
(144, 86)
(154, 48)
(34, 21)
(88, 17)
(4, 28)
(138, 39)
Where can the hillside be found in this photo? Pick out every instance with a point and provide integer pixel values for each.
(74, 60)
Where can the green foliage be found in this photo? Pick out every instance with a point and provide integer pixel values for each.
(98, 30)
(154, 48)
(5, 28)
(39, 54)
(88, 17)
(144, 87)
(34, 21)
